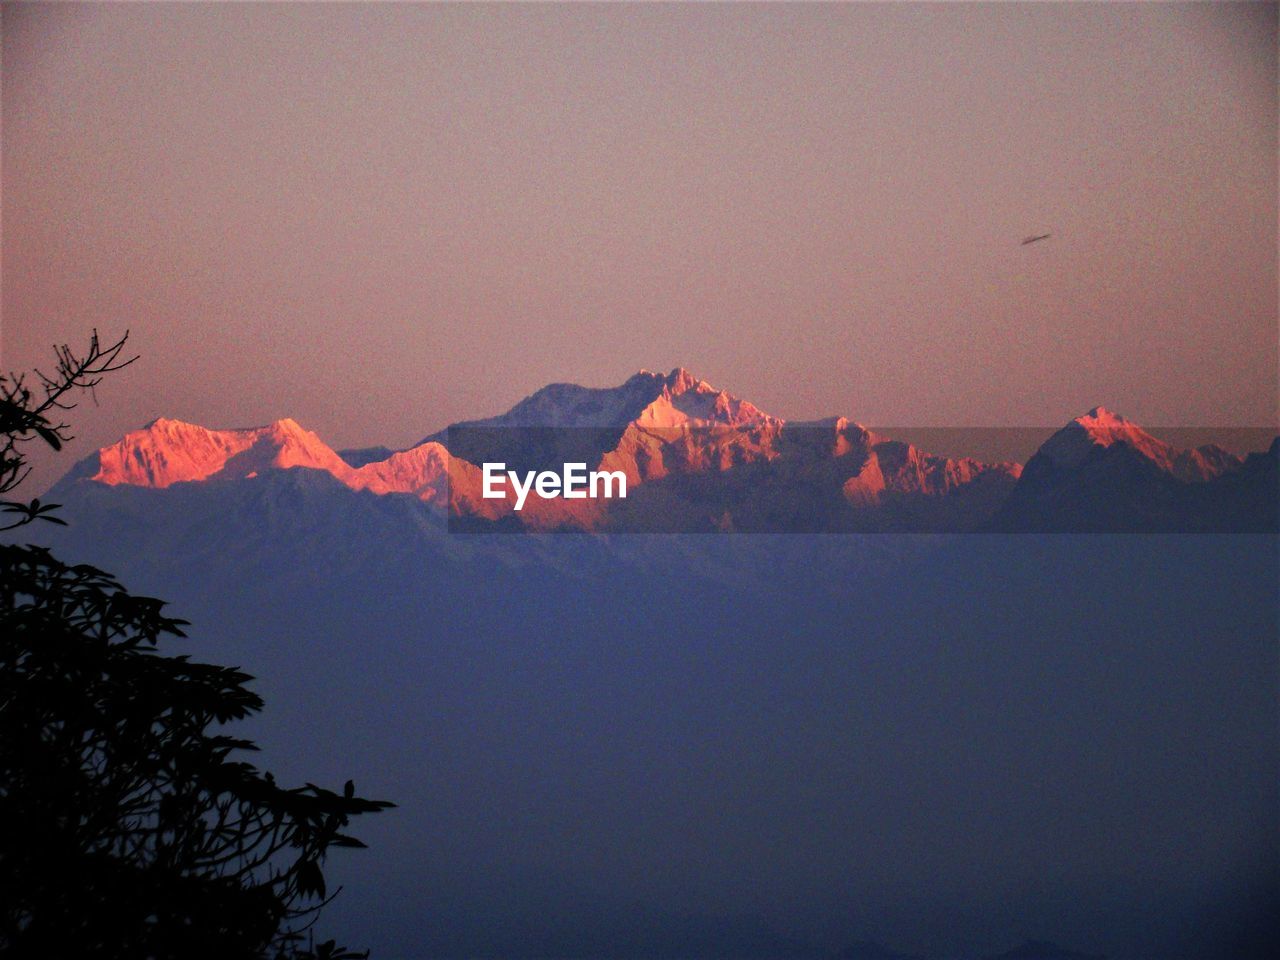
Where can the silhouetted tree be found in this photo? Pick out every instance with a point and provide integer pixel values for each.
(128, 827)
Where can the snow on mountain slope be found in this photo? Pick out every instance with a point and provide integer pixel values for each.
(567, 405)
(430, 473)
(422, 471)
(1103, 473)
(686, 399)
(696, 458)
(893, 467)
(1101, 429)
(651, 428)
(165, 452)
(653, 399)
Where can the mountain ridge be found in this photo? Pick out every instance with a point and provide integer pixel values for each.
(698, 457)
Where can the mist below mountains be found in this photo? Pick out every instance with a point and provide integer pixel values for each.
(756, 746)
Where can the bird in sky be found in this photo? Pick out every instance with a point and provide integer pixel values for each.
(1039, 236)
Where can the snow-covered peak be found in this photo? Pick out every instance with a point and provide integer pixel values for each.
(422, 470)
(680, 380)
(1102, 415)
(649, 398)
(568, 405)
(1106, 427)
(1101, 428)
(167, 451)
(685, 398)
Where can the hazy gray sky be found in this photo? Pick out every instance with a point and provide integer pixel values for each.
(378, 219)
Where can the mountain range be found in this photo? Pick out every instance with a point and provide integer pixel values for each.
(728, 746)
(699, 459)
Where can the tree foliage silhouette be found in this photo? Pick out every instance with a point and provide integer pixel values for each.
(128, 827)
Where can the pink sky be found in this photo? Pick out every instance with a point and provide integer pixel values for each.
(377, 219)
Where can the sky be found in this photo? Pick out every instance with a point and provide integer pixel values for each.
(378, 219)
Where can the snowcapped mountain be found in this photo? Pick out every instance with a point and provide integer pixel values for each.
(534, 677)
(1101, 430)
(524, 675)
(165, 452)
(1102, 472)
(624, 428)
(697, 458)
(651, 399)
